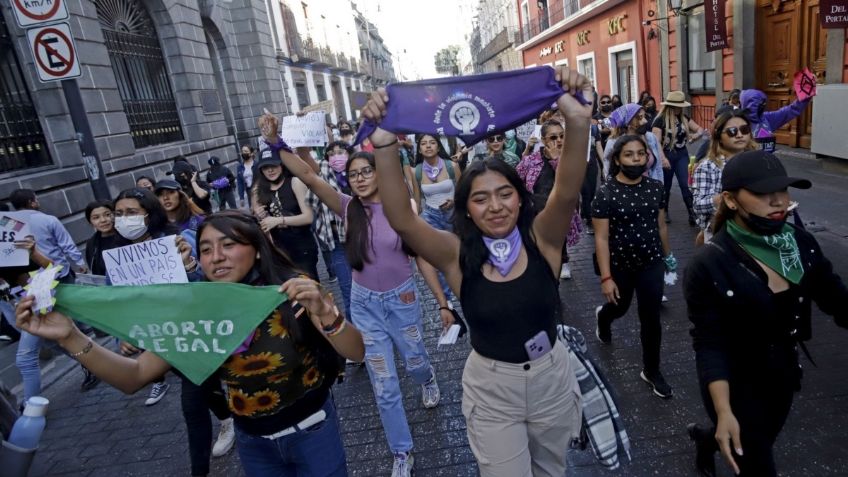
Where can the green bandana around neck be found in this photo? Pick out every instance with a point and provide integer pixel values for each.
(193, 326)
(778, 252)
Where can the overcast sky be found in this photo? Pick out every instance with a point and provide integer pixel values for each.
(421, 27)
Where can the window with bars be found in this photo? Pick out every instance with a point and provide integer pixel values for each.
(22, 143)
(139, 68)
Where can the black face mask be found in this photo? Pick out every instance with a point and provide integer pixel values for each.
(652, 110)
(633, 172)
(606, 108)
(762, 225)
(245, 156)
(344, 132)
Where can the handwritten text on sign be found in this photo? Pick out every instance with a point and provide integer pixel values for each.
(146, 263)
(308, 130)
(182, 337)
(12, 228)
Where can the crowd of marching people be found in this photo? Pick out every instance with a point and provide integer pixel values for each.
(489, 231)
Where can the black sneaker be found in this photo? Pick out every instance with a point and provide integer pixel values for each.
(89, 380)
(602, 330)
(657, 382)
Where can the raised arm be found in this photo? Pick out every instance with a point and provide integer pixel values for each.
(439, 248)
(300, 166)
(552, 224)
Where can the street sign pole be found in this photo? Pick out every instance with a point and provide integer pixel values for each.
(93, 166)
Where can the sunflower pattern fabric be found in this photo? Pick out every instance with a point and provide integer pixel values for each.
(274, 372)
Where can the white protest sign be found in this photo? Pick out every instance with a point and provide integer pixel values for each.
(537, 133)
(305, 131)
(12, 228)
(524, 131)
(146, 263)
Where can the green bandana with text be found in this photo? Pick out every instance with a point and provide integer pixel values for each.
(778, 252)
(193, 326)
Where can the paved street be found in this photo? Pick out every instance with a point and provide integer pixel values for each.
(105, 433)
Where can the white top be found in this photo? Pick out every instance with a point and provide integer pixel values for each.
(248, 176)
(437, 194)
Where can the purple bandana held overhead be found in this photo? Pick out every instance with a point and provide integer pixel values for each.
(471, 107)
(503, 253)
(433, 171)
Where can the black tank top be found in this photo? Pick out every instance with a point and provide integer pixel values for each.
(502, 316)
(284, 204)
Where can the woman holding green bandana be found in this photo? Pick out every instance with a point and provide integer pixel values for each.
(749, 293)
(278, 380)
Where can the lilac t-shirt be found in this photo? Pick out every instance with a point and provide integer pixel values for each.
(388, 266)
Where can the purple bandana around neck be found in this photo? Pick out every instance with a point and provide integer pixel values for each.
(503, 253)
(433, 171)
(471, 107)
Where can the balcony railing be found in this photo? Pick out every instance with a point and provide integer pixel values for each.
(500, 42)
(538, 25)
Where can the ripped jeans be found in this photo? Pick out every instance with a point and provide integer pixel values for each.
(387, 320)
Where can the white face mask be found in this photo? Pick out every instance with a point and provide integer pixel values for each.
(131, 227)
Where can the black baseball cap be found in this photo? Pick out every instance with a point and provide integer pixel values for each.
(759, 172)
(168, 184)
(267, 158)
(181, 167)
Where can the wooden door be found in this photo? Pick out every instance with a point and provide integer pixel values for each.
(779, 53)
(814, 56)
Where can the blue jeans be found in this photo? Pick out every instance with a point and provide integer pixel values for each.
(441, 220)
(343, 273)
(679, 160)
(389, 320)
(317, 451)
(26, 360)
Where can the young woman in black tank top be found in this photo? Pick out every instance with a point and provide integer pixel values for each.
(520, 397)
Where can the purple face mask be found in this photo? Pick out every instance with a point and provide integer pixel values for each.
(471, 107)
(338, 162)
(503, 253)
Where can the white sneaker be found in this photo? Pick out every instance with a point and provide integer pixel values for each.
(403, 464)
(664, 299)
(157, 392)
(565, 272)
(226, 438)
(430, 394)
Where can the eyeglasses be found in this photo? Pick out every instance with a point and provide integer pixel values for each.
(554, 137)
(366, 173)
(732, 132)
(494, 139)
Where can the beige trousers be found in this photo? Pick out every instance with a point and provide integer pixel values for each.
(521, 417)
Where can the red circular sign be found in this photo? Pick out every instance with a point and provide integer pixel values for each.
(69, 62)
(34, 16)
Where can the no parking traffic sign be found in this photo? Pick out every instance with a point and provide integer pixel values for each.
(54, 52)
(34, 12)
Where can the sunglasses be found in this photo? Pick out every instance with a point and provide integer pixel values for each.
(606, 102)
(554, 137)
(733, 132)
(366, 173)
(495, 139)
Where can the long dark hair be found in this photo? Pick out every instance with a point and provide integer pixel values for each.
(473, 252)
(157, 218)
(185, 208)
(264, 194)
(273, 266)
(622, 141)
(441, 148)
(358, 228)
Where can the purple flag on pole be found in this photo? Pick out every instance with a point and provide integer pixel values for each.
(471, 107)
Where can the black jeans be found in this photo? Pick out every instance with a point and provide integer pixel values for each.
(588, 189)
(227, 197)
(761, 408)
(648, 285)
(197, 401)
